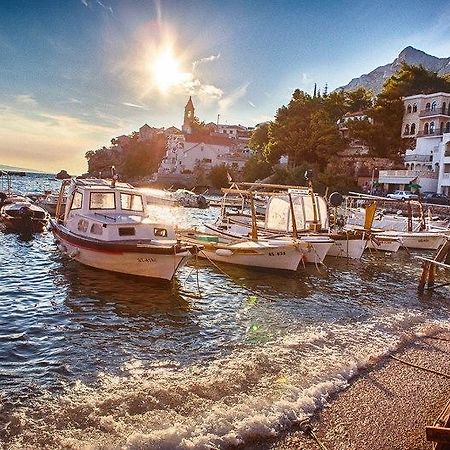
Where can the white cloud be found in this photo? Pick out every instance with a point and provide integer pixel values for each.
(133, 105)
(26, 99)
(195, 64)
(226, 102)
(251, 104)
(85, 3)
(108, 8)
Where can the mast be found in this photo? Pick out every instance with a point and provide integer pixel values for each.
(254, 226)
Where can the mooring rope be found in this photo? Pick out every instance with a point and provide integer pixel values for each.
(417, 366)
(306, 428)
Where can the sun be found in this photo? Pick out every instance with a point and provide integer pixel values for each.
(166, 71)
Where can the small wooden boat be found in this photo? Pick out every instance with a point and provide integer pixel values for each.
(19, 215)
(263, 253)
(106, 225)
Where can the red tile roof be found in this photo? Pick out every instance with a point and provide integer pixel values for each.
(208, 139)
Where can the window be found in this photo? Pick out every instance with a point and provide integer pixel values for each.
(102, 200)
(425, 128)
(161, 232)
(427, 107)
(431, 127)
(127, 231)
(447, 127)
(77, 200)
(406, 129)
(131, 202)
(433, 106)
(409, 109)
(96, 228)
(413, 128)
(82, 225)
(415, 107)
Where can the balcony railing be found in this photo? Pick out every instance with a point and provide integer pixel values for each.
(430, 133)
(418, 158)
(435, 112)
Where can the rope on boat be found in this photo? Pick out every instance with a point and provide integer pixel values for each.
(417, 366)
(229, 276)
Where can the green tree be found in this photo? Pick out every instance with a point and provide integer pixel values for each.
(218, 176)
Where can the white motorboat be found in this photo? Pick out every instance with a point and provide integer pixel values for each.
(18, 214)
(106, 225)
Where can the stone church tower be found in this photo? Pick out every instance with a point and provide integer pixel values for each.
(189, 111)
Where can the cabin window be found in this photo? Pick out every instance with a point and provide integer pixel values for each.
(161, 232)
(131, 202)
(82, 225)
(102, 200)
(96, 228)
(127, 231)
(77, 200)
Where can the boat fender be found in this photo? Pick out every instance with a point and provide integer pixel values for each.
(62, 248)
(74, 253)
(223, 252)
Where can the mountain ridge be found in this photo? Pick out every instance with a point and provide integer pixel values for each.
(374, 80)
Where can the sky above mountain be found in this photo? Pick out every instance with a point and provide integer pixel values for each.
(75, 73)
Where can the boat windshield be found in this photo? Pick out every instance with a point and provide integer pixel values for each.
(131, 202)
(102, 200)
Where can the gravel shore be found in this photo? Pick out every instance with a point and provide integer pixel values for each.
(385, 407)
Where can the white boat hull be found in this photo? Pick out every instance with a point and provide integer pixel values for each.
(384, 244)
(315, 250)
(421, 240)
(145, 264)
(348, 248)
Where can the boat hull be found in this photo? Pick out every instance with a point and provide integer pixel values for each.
(351, 247)
(384, 244)
(151, 263)
(420, 240)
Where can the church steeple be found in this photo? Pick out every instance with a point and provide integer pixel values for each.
(189, 114)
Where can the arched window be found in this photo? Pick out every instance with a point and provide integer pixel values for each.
(427, 107)
(431, 127)
(413, 128)
(433, 106)
(407, 128)
(447, 127)
(415, 107)
(443, 107)
(425, 128)
(409, 109)
(441, 128)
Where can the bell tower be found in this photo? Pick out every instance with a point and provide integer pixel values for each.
(189, 111)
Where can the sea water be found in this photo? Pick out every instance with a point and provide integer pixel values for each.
(222, 356)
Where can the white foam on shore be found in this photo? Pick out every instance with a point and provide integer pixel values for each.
(254, 392)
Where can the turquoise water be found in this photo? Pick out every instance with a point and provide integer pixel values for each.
(91, 359)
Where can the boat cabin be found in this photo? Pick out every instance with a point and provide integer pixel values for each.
(100, 209)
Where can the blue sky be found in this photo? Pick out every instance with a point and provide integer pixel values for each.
(75, 73)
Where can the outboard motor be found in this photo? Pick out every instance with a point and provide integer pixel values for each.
(202, 202)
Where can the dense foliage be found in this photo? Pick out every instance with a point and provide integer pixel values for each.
(135, 159)
(306, 129)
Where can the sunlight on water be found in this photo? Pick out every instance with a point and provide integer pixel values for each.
(92, 359)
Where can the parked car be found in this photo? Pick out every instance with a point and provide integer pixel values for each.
(403, 195)
(436, 199)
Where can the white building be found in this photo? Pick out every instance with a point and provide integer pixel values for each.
(427, 121)
(188, 152)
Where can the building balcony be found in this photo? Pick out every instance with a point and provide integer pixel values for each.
(418, 158)
(430, 133)
(435, 112)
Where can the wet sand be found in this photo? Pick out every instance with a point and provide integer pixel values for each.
(385, 407)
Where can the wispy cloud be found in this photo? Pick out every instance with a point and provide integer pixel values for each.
(134, 105)
(195, 64)
(251, 104)
(26, 99)
(226, 102)
(90, 3)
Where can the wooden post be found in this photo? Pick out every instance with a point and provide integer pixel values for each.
(294, 220)
(254, 225)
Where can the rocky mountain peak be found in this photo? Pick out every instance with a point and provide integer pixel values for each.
(374, 80)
